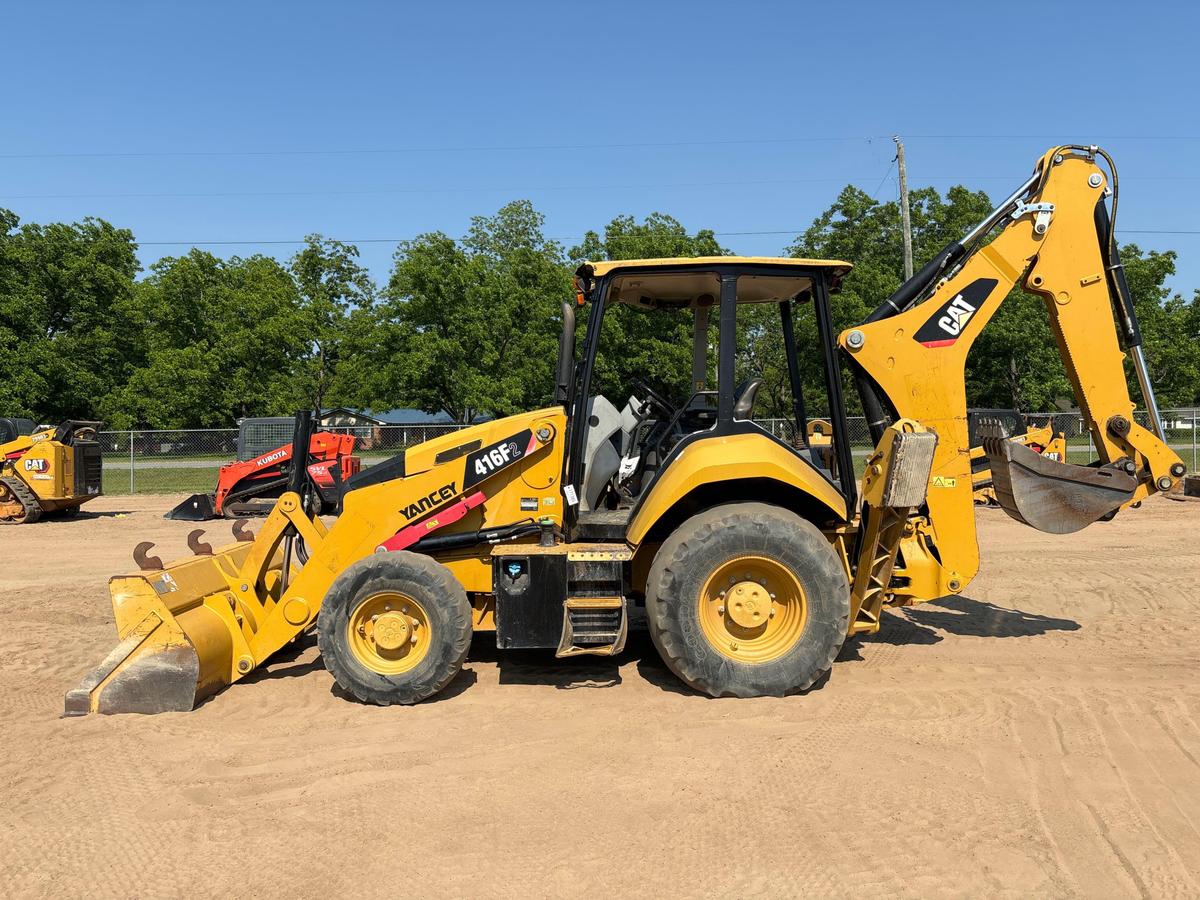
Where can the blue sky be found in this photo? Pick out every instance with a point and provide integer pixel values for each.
(741, 117)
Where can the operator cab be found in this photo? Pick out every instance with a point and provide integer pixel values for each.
(667, 359)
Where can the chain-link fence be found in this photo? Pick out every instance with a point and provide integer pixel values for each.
(187, 461)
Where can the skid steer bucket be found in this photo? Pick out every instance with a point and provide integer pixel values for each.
(1051, 496)
(196, 508)
(177, 629)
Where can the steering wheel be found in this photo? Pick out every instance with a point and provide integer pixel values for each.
(654, 398)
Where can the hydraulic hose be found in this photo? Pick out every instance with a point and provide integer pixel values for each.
(435, 542)
(917, 285)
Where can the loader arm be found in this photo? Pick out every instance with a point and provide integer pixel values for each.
(191, 627)
(1054, 238)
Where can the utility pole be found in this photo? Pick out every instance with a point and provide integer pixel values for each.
(905, 219)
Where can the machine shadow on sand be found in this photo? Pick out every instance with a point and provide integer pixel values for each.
(85, 515)
(541, 666)
(977, 618)
(924, 625)
(956, 615)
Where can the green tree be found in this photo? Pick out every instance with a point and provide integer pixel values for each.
(866, 232)
(66, 337)
(219, 338)
(334, 288)
(658, 236)
(655, 346)
(1170, 327)
(471, 327)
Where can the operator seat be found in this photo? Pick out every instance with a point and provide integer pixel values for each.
(601, 457)
(744, 396)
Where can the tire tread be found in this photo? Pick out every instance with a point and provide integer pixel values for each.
(679, 553)
(439, 585)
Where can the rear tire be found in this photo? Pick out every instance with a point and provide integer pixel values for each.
(747, 600)
(394, 628)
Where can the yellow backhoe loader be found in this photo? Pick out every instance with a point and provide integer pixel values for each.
(50, 472)
(753, 558)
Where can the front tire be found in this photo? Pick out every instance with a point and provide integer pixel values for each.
(394, 628)
(747, 600)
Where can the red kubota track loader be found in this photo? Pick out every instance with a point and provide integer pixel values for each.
(251, 487)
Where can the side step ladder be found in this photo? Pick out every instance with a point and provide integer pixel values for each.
(894, 484)
(593, 625)
(595, 620)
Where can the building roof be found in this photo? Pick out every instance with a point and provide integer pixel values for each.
(394, 416)
(413, 417)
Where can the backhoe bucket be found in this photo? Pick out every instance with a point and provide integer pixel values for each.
(1055, 497)
(177, 628)
(196, 508)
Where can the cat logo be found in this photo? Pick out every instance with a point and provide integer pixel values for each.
(37, 465)
(946, 324)
(958, 313)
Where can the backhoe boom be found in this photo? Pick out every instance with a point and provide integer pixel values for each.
(1055, 240)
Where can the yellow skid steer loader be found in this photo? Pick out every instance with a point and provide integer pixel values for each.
(51, 472)
(754, 558)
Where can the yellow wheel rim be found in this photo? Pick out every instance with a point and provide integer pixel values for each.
(389, 633)
(753, 609)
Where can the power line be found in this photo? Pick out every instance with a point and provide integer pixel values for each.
(875, 193)
(1051, 137)
(391, 190)
(1153, 231)
(425, 190)
(497, 148)
(527, 189)
(786, 231)
(486, 148)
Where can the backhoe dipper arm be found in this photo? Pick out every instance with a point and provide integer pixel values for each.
(1055, 238)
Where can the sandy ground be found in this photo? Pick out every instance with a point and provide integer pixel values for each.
(1041, 737)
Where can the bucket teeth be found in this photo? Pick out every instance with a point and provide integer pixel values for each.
(197, 546)
(241, 532)
(180, 639)
(144, 562)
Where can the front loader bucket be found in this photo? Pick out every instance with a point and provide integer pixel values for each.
(1051, 496)
(196, 508)
(177, 630)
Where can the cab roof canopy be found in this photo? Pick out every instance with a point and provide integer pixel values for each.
(688, 282)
